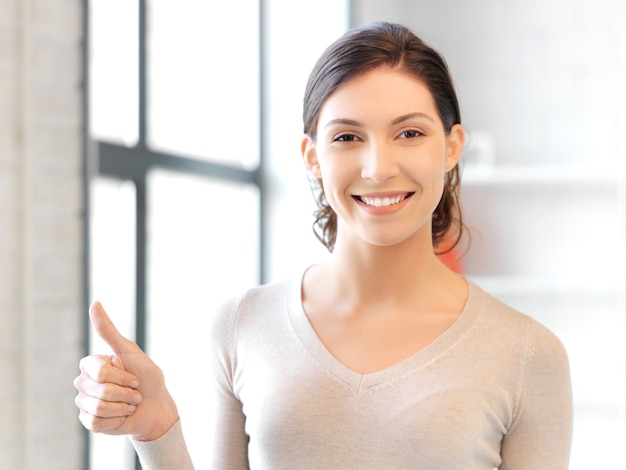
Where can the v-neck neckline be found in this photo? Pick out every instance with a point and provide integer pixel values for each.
(361, 382)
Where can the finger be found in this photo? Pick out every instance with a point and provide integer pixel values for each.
(100, 369)
(106, 391)
(106, 330)
(103, 409)
(96, 424)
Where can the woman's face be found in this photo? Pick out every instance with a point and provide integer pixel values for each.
(381, 152)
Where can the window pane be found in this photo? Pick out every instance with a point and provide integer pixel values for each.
(113, 69)
(203, 78)
(203, 246)
(112, 275)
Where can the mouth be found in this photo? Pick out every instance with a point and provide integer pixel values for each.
(383, 201)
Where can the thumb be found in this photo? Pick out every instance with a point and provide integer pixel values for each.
(106, 330)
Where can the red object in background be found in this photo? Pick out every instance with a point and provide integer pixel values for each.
(450, 257)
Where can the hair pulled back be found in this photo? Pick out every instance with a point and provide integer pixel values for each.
(361, 50)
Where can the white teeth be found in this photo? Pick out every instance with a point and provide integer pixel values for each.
(381, 202)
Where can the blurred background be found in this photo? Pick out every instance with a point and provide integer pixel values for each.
(149, 158)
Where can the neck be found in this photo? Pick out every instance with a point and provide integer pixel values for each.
(363, 273)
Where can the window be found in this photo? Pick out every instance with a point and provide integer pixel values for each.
(174, 94)
(181, 201)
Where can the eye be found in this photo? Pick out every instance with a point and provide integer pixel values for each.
(410, 134)
(346, 138)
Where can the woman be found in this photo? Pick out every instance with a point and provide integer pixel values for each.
(380, 356)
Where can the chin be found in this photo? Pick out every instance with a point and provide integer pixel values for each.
(389, 241)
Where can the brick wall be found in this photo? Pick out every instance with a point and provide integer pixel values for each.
(41, 247)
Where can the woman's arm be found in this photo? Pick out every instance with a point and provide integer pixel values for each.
(125, 393)
(541, 433)
(167, 452)
(228, 438)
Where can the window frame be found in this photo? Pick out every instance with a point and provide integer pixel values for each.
(107, 159)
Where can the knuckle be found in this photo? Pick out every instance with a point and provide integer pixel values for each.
(81, 382)
(101, 374)
(77, 400)
(87, 421)
(94, 363)
(100, 407)
(96, 424)
(107, 392)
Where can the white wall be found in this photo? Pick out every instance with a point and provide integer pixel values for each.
(40, 233)
(543, 78)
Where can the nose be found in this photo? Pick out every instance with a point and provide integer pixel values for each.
(378, 163)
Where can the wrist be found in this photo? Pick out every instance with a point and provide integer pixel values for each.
(165, 419)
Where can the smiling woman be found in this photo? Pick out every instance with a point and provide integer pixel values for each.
(380, 138)
(379, 356)
(418, 61)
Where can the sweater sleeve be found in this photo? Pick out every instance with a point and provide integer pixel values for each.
(541, 432)
(225, 436)
(228, 441)
(165, 453)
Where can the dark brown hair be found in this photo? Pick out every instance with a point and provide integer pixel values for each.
(361, 50)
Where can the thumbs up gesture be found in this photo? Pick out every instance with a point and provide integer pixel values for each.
(123, 393)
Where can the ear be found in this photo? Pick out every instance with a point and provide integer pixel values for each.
(455, 142)
(309, 154)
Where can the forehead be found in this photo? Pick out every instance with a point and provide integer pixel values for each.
(379, 94)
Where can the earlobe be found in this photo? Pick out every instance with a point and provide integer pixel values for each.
(454, 146)
(309, 154)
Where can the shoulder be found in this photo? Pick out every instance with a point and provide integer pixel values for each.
(540, 425)
(252, 304)
(264, 298)
(539, 348)
(510, 321)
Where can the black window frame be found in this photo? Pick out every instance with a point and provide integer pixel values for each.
(101, 158)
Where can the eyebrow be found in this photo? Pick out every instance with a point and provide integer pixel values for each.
(343, 121)
(398, 120)
(406, 117)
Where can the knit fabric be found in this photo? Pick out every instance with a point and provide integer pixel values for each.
(493, 391)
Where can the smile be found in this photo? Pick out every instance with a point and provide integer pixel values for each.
(383, 201)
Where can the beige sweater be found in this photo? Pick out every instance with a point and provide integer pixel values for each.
(492, 392)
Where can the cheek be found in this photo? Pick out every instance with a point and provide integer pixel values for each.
(333, 173)
(332, 193)
(429, 171)
(336, 183)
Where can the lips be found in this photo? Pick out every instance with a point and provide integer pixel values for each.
(383, 200)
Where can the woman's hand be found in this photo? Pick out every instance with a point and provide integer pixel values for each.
(123, 393)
